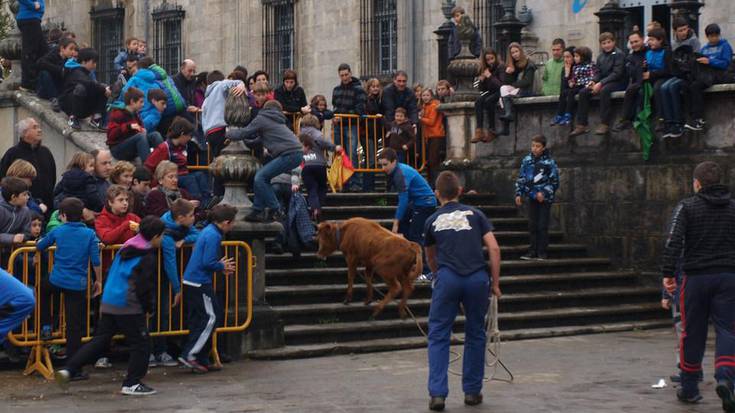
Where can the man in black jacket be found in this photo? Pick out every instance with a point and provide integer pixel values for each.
(29, 148)
(611, 78)
(634, 67)
(398, 95)
(51, 69)
(701, 235)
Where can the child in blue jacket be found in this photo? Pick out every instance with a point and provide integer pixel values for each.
(537, 182)
(180, 230)
(76, 246)
(203, 306)
(129, 295)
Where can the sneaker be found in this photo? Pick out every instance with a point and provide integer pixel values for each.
(696, 125)
(79, 376)
(164, 359)
(58, 352)
(566, 119)
(693, 399)
(579, 130)
(473, 399)
(436, 404)
(194, 365)
(103, 363)
(528, 256)
(724, 391)
(675, 378)
(74, 123)
(96, 123)
(424, 278)
(557, 120)
(541, 257)
(623, 125)
(675, 131)
(63, 377)
(139, 389)
(152, 362)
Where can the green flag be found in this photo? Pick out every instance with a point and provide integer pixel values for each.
(642, 123)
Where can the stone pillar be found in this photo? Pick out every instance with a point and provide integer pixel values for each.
(442, 38)
(10, 48)
(689, 9)
(612, 19)
(508, 28)
(237, 167)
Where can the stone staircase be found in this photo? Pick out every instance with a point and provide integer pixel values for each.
(570, 293)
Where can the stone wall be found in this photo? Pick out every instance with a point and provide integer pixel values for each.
(609, 196)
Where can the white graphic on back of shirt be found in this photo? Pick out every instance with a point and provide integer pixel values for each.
(456, 221)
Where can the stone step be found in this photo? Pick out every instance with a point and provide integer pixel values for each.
(378, 329)
(375, 211)
(508, 267)
(508, 252)
(385, 219)
(391, 198)
(403, 343)
(509, 303)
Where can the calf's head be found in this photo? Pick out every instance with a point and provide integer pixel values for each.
(326, 235)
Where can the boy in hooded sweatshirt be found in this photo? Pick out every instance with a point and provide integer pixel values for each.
(15, 217)
(82, 96)
(269, 128)
(715, 59)
(128, 297)
(180, 230)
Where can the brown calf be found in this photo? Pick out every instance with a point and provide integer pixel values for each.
(364, 242)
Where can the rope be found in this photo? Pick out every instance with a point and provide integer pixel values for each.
(492, 359)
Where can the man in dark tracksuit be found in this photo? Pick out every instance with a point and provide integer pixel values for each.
(702, 227)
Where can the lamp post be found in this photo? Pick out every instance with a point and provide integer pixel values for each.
(508, 28)
(612, 20)
(442, 39)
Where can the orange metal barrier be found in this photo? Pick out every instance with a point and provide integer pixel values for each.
(370, 141)
(226, 287)
(295, 119)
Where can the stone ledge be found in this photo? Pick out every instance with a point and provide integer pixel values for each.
(87, 140)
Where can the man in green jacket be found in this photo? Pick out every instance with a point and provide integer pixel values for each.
(553, 69)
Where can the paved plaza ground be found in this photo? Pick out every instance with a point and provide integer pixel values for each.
(594, 373)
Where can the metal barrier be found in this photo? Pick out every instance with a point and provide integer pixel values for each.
(295, 119)
(363, 138)
(163, 324)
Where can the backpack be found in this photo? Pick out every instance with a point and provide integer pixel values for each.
(684, 63)
(237, 110)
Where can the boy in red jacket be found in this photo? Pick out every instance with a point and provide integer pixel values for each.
(126, 135)
(115, 224)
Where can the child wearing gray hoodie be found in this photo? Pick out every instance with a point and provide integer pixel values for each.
(284, 148)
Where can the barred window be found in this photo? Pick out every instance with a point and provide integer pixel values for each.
(107, 39)
(168, 48)
(278, 37)
(378, 38)
(486, 13)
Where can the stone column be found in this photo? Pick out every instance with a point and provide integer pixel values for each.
(612, 19)
(10, 48)
(460, 113)
(442, 38)
(689, 9)
(238, 167)
(508, 28)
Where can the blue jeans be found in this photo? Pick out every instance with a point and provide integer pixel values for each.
(346, 136)
(197, 184)
(670, 100)
(45, 86)
(136, 146)
(451, 289)
(264, 195)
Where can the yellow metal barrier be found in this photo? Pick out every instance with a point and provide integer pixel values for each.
(370, 141)
(228, 290)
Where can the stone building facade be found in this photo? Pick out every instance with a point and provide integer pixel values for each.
(375, 37)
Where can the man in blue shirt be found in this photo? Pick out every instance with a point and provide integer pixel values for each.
(455, 236)
(416, 200)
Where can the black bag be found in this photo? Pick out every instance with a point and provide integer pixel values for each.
(684, 63)
(237, 110)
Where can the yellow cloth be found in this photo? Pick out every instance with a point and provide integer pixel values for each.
(338, 173)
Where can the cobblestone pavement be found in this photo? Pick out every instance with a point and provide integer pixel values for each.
(595, 373)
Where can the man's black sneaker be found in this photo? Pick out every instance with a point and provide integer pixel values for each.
(676, 131)
(79, 376)
(139, 389)
(541, 257)
(724, 391)
(436, 404)
(473, 399)
(696, 125)
(528, 256)
(74, 123)
(689, 399)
